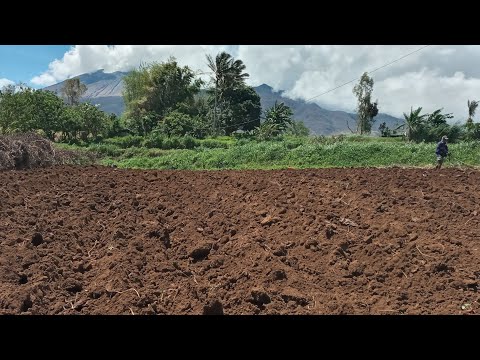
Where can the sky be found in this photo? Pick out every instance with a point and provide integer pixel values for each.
(431, 77)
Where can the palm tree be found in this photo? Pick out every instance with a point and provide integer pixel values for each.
(280, 115)
(228, 73)
(472, 107)
(413, 122)
(437, 118)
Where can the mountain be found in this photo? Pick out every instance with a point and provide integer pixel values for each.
(316, 118)
(105, 89)
(102, 88)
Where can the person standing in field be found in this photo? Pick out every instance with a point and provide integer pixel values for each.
(441, 152)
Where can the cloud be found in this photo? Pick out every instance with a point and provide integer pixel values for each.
(437, 76)
(82, 59)
(5, 82)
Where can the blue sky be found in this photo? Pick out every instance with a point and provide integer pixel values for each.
(23, 62)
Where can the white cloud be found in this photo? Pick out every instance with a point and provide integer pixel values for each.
(82, 59)
(437, 76)
(5, 82)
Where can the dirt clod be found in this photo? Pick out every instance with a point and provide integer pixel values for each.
(97, 240)
(37, 239)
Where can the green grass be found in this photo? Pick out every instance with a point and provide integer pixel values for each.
(305, 153)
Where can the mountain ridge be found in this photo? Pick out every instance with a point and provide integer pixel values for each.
(106, 89)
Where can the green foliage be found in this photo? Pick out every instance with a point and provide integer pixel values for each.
(413, 124)
(160, 141)
(385, 131)
(429, 127)
(73, 89)
(472, 107)
(298, 128)
(116, 126)
(49, 113)
(473, 132)
(199, 111)
(214, 144)
(16, 109)
(177, 123)
(366, 110)
(106, 149)
(241, 109)
(235, 105)
(24, 109)
(93, 120)
(154, 90)
(125, 141)
(280, 115)
(303, 153)
(83, 121)
(267, 131)
(437, 119)
(277, 120)
(228, 72)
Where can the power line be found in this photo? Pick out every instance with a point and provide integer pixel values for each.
(335, 88)
(381, 67)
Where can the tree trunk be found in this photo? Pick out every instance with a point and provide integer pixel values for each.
(215, 113)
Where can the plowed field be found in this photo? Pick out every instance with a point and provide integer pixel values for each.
(98, 240)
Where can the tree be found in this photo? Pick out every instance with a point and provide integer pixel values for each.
(177, 124)
(437, 119)
(472, 107)
(48, 111)
(24, 109)
(93, 120)
(7, 108)
(199, 111)
(154, 90)
(20, 109)
(71, 123)
(115, 126)
(298, 128)
(73, 89)
(413, 123)
(384, 130)
(366, 110)
(279, 114)
(278, 119)
(242, 109)
(228, 74)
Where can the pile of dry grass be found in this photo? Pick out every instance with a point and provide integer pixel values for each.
(27, 151)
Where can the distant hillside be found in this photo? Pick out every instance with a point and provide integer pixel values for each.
(316, 118)
(105, 89)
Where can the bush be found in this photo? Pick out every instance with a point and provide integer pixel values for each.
(106, 149)
(125, 142)
(213, 144)
(154, 140)
(188, 142)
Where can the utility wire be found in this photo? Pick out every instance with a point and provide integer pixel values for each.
(369, 72)
(337, 87)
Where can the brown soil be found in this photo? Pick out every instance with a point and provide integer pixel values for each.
(98, 240)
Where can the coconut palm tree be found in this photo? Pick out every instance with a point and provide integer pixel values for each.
(228, 73)
(281, 115)
(436, 118)
(413, 122)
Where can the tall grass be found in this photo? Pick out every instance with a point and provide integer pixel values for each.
(307, 153)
